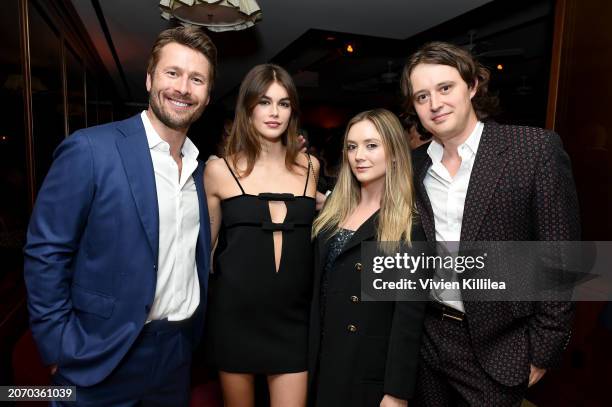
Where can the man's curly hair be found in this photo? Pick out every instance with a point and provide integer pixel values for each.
(471, 71)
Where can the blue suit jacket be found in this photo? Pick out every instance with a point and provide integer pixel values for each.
(92, 250)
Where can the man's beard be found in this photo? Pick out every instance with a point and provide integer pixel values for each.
(173, 121)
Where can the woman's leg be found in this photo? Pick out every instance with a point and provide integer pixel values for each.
(288, 389)
(238, 389)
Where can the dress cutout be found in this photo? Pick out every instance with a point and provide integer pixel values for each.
(258, 313)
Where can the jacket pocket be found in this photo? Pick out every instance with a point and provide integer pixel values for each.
(91, 302)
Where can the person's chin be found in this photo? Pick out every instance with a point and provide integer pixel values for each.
(362, 178)
(177, 122)
(442, 128)
(271, 136)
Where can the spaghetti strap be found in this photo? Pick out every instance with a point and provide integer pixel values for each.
(232, 172)
(307, 173)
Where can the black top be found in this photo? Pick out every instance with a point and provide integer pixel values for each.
(258, 317)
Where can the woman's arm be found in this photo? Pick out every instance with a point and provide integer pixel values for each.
(213, 174)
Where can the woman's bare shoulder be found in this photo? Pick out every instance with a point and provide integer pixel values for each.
(215, 168)
(315, 162)
(303, 158)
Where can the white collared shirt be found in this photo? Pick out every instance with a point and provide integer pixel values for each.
(447, 195)
(177, 293)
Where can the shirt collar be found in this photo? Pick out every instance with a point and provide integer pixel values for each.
(189, 149)
(153, 139)
(473, 140)
(436, 150)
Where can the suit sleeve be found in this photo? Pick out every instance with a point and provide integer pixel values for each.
(403, 351)
(53, 237)
(557, 219)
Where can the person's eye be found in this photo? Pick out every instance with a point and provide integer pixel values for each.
(198, 81)
(371, 146)
(422, 98)
(445, 89)
(264, 102)
(351, 147)
(171, 74)
(285, 104)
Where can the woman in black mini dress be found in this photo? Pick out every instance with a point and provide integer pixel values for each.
(261, 204)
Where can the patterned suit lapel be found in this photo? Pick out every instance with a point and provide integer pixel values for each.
(487, 169)
(423, 204)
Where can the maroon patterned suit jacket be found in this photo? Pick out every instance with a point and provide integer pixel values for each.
(520, 189)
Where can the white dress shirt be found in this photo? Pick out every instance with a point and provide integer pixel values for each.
(447, 196)
(177, 294)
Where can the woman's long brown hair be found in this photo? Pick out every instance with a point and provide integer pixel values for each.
(244, 141)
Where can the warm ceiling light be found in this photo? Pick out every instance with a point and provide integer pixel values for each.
(216, 15)
(350, 49)
(500, 67)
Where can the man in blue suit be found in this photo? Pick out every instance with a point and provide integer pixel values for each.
(118, 246)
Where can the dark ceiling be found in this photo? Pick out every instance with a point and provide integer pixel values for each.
(123, 31)
(334, 84)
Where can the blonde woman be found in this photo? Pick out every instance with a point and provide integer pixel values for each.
(261, 204)
(364, 353)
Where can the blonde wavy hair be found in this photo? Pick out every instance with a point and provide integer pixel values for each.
(396, 213)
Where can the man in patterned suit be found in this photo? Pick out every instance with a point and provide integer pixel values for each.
(480, 181)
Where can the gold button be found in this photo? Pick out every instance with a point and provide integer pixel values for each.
(351, 328)
(354, 299)
(358, 266)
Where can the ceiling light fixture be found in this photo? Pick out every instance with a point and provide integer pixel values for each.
(215, 15)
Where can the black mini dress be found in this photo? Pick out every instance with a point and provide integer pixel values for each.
(257, 317)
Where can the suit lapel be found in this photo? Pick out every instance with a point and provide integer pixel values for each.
(322, 248)
(321, 257)
(366, 231)
(204, 236)
(134, 151)
(487, 169)
(423, 204)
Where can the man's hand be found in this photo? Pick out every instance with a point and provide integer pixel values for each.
(302, 143)
(320, 200)
(390, 401)
(53, 369)
(535, 374)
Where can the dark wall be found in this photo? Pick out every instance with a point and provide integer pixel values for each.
(51, 84)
